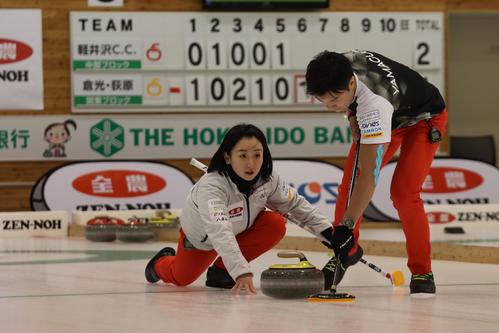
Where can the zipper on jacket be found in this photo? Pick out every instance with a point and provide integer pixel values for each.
(248, 208)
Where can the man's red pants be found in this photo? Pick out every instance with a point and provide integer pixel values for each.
(413, 165)
(189, 264)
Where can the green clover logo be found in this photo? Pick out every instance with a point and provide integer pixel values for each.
(107, 137)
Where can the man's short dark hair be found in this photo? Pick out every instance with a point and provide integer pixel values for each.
(328, 71)
(231, 138)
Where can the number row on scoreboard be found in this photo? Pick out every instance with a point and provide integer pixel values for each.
(336, 22)
(237, 54)
(246, 90)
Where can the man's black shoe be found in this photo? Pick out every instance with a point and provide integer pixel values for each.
(219, 278)
(331, 266)
(149, 272)
(422, 285)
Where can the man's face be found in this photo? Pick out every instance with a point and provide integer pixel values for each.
(338, 101)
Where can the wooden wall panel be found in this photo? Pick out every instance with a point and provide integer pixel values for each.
(56, 64)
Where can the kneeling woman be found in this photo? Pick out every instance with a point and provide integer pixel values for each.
(225, 216)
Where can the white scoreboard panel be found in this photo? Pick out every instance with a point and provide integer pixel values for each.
(231, 61)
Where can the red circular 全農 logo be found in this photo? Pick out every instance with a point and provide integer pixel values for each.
(119, 183)
(440, 217)
(450, 179)
(13, 51)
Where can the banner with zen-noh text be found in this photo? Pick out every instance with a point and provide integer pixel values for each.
(21, 68)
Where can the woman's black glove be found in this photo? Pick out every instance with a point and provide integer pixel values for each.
(343, 241)
(328, 234)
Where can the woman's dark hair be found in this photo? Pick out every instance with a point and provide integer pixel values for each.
(328, 71)
(233, 136)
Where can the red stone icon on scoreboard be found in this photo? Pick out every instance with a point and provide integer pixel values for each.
(154, 52)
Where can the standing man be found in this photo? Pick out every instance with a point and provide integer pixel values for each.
(389, 106)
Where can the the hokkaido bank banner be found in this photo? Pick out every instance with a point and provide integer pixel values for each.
(21, 68)
(161, 136)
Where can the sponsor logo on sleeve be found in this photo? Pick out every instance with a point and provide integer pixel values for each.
(217, 211)
(370, 124)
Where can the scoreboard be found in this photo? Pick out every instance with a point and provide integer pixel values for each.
(231, 61)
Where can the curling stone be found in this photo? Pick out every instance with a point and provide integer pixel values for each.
(164, 219)
(102, 228)
(292, 280)
(135, 231)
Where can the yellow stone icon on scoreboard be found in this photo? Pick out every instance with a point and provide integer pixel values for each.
(154, 88)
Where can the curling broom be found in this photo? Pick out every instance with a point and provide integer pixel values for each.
(332, 296)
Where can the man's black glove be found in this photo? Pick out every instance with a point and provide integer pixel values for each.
(343, 241)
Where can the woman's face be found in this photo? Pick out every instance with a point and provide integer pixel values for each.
(57, 134)
(246, 158)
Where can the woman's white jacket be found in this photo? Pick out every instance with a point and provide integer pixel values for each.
(215, 212)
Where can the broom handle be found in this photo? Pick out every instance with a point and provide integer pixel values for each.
(350, 191)
(376, 268)
(354, 173)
